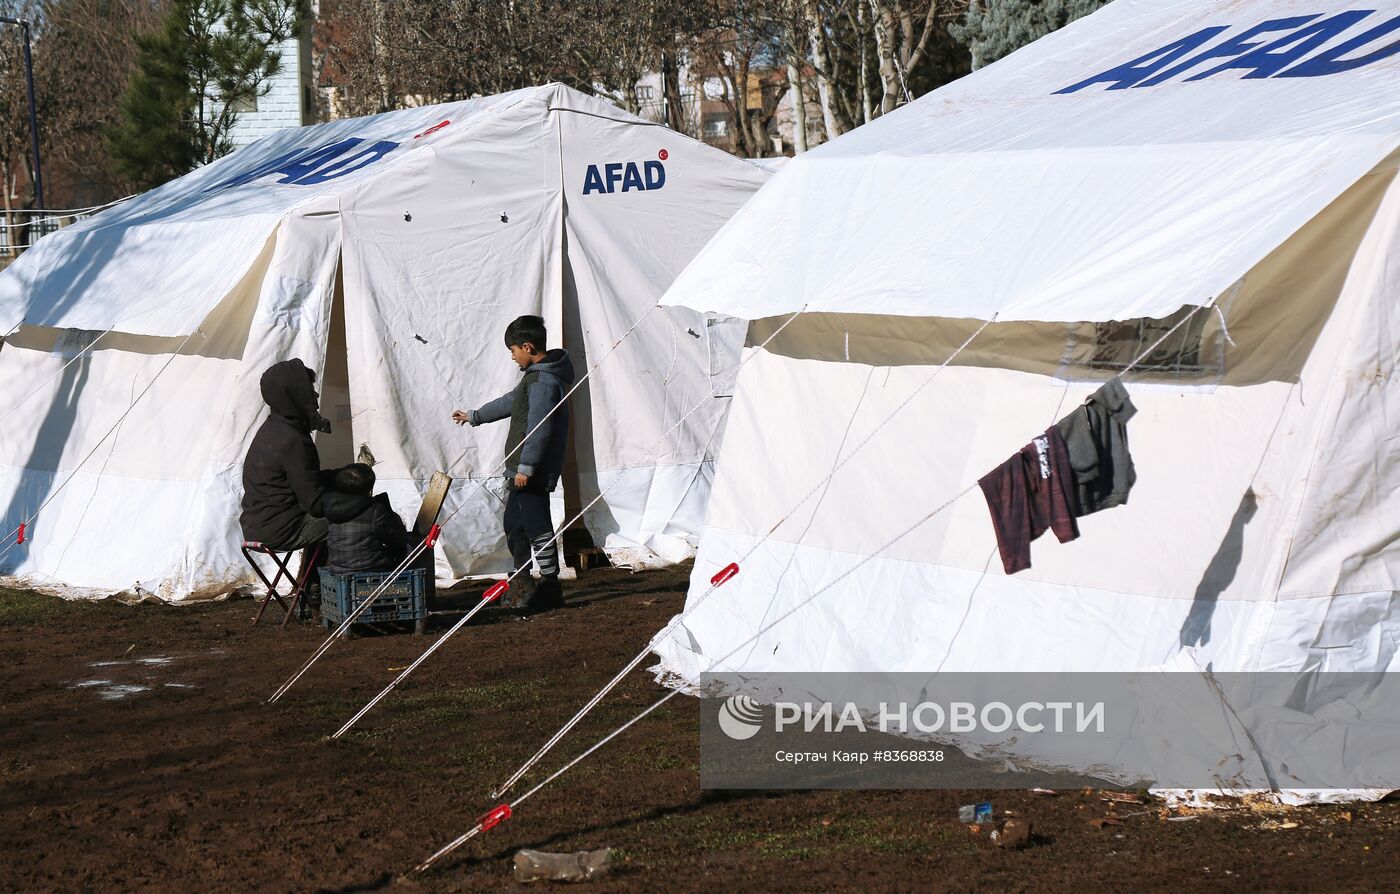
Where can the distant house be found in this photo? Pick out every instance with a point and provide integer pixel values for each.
(291, 101)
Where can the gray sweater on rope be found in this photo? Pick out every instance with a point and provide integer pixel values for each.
(1096, 436)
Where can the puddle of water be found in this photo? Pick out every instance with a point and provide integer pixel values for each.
(111, 691)
(120, 690)
(155, 660)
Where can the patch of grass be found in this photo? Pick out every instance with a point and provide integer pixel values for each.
(330, 711)
(708, 834)
(654, 758)
(881, 836)
(25, 608)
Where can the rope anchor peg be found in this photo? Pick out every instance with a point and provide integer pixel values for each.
(490, 820)
(725, 574)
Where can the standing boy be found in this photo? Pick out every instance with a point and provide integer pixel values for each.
(534, 463)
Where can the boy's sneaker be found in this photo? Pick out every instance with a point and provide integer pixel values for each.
(521, 591)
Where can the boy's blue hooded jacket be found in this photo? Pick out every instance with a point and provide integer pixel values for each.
(541, 388)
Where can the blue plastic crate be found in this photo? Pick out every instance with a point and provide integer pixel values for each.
(403, 600)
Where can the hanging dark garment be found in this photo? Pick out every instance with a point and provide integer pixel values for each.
(1030, 493)
(1096, 436)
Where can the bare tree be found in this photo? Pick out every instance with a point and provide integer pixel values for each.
(16, 166)
(742, 52)
(860, 58)
(903, 29)
(825, 66)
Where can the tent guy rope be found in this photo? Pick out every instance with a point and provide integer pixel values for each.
(120, 419)
(503, 812)
(718, 581)
(42, 385)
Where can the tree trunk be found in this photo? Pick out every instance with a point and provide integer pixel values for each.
(380, 44)
(743, 139)
(9, 211)
(866, 104)
(885, 51)
(821, 60)
(799, 109)
(759, 137)
(671, 90)
(912, 47)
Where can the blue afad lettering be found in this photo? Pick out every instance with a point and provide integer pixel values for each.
(307, 167)
(1263, 51)
(619, 177)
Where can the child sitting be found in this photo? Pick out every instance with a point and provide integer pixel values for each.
(365, 532)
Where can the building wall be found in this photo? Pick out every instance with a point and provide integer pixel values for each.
(289, 103)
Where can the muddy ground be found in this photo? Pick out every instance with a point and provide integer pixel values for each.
(136, 754)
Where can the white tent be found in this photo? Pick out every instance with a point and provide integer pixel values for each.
(1150, 158)
(389, 252)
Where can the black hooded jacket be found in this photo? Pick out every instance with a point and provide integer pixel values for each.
(281, 473)
(366, 534)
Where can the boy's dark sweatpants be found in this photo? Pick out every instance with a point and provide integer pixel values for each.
(529, 528)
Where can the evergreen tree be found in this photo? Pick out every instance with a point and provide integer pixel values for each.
(993, 28)
(210, 58)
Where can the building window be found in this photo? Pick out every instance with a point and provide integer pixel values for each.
(645, 92)
(245, 104)
(714, 88)
(716, 125)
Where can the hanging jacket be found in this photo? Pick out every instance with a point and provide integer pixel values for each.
(542, 386)
(282, 484)
(366, 534)
(1096, 436)
(1030, 493)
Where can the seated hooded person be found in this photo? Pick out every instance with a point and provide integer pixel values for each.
(365, 533)
(283, 484)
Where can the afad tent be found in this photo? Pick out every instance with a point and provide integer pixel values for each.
(388, 252)
(1229, 165)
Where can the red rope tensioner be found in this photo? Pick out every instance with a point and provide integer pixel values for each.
(724, 574)
(19, 535)
(494, 817)
(494, 592)
(433, 533)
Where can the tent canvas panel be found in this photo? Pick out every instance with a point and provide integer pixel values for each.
(438, 260)
(158, 264)
(155, 505)
(623, 246)
(1231, 483)
(1001, 194)
(459, 230)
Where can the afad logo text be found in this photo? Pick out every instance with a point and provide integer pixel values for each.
(626, 176)
(1303, 46)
